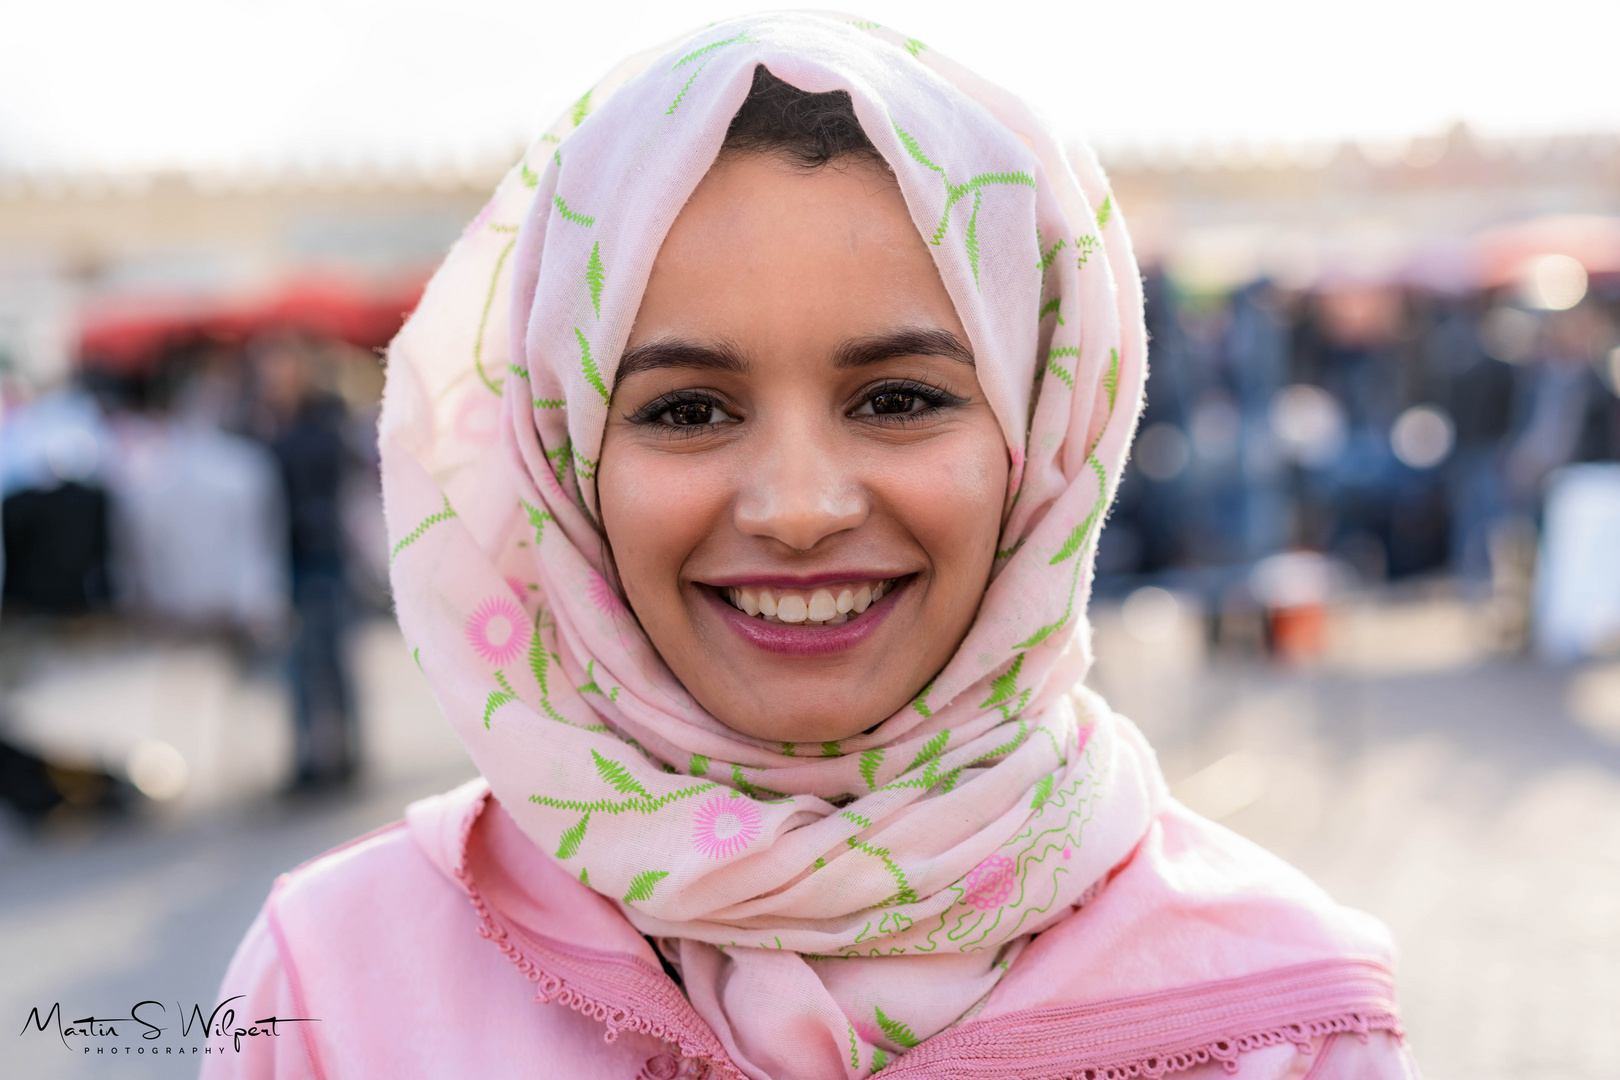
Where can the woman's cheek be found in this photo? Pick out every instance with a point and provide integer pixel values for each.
(671, 504)
(958, 501)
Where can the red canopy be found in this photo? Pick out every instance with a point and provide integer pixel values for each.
(132, 333)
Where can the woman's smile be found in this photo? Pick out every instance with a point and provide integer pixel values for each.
(798, 620)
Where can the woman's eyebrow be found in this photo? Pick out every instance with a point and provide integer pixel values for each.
(912, 341)
(674, 353)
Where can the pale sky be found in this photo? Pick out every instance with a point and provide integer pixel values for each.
(116, 85)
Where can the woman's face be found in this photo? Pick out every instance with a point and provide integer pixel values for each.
(801, 481)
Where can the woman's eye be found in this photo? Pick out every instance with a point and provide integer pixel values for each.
(689, 413)
(893, 401)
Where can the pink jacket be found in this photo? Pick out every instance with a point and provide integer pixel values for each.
(1202, 956)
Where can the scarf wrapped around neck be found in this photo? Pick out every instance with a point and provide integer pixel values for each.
(827, 905)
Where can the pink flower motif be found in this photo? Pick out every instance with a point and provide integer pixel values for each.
(498, 630)
(725, 825)
(868, 1031)
(606, 600)
(990, 884)
(478, 419)
(519, 590)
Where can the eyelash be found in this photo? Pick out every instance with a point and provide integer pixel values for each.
(933, 397)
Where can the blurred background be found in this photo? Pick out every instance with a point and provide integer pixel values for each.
(1361, 587)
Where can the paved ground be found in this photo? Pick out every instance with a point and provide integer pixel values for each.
(1456, 796)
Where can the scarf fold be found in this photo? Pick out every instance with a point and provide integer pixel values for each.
(828, 905)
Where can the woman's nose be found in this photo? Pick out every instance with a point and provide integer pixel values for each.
(800, 491)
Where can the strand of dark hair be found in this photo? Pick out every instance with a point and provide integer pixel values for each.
(808, 130)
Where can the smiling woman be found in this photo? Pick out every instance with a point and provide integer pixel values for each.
(764, 620)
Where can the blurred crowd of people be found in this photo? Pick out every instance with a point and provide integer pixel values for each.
(220, 487)
(1399, 431)
(1292, 438)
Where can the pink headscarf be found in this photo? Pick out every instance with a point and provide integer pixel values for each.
(831, 904)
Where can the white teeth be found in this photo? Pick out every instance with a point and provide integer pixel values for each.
(792, 609)
(822, 605)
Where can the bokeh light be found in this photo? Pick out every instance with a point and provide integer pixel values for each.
(1554, 282)
(1422, 436)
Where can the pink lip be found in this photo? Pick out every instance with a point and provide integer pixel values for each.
(808, 581)
(792, 640)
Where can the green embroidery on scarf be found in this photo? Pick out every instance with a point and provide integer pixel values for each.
(1058, 369)
(754, 791)
(1007, 747)
(870, 761)
(818, 864)
(427, 523)
(582, 108)
(584, 877)
(1048, 256)
(1004, 687)
(879, 1058)
(865, 24)
(641, 886)
(1077, 539)
(930, 750)
(698, 766)
(605, 806)
(831, 749)
(530, 178)
(854, 1048)
(540, 662)
(914, 47)
(584, 466)
(955, 193)
(537, 519)
(681, 96)
(417, 655)
(709, 48)
(570, 215)
(905, 895)
(559, 459)
(1105, 211)
(615, 774)
(898, 1033)
(1054, 304)
(497, 698)
(572, 838)
(788, 750)
(921, 704)
(1078, 535)
(594, 277)
(859, 819)
(973, 238)
(591, 687)
(592, 375)
(1085, 245)
(1043, 791)
(483, 317)
(1111, 379)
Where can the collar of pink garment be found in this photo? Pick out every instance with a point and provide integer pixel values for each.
(1149, 1035)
